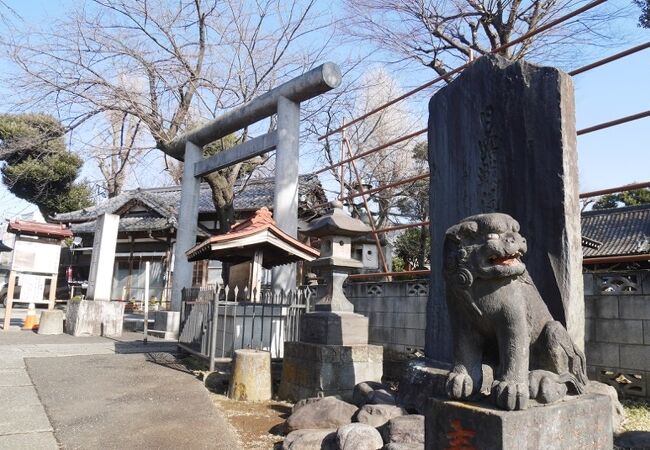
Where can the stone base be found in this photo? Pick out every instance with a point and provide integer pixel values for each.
(166, 324)
(94, 318)
(334, 328)
(51, 322)
(312, 370)
(575, 423)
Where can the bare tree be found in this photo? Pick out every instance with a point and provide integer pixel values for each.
(442, 34)
(115, 150)
(167, 64)
(389, 165)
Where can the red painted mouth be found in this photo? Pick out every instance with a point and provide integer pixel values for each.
(509, 260)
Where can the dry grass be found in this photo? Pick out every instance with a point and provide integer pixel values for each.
(637, 415)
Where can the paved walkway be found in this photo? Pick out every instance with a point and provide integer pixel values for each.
(93, 392)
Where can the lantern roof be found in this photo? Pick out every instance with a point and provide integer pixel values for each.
(336, 223)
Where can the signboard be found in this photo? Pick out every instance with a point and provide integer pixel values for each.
(33, 256)
(31, 288)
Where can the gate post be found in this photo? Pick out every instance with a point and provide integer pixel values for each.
(285, 199)
(188, 214)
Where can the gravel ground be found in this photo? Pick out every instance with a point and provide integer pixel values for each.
(638, 415)
(258, 425)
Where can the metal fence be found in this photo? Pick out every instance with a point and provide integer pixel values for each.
(217, 320)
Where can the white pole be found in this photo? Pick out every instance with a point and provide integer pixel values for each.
(146, 299)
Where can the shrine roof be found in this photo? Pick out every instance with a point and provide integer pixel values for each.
(50, 230)
(622, 231)
(258, 233)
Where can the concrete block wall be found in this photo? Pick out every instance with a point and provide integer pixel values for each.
(396, 312)
(617, 330)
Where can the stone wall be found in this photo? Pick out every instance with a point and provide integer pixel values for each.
(617, 309)
(397, 315)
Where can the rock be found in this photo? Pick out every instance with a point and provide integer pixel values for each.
(618, 413)
(310, 439)
(362, 390)
(396, 446)
(330, 412)
(381, 397)
(306, 401)
(632, 440)
(378, 415)
(404, 430)
(422, 379)
(358, 436)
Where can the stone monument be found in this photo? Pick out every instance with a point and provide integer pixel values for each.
(333, 354)
(502, 138)
(98, 316)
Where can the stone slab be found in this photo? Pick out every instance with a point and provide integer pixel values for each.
(334, 328)
(311, 370)
(22, 411)
(14, 377)
(29, 441)
(576, 423)
(502, 138)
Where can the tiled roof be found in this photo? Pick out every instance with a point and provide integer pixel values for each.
(250, 196)
(52, 230)
(258, 232)
(622, 231)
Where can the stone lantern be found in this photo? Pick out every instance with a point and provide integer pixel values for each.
(336, 231)
(333, 354)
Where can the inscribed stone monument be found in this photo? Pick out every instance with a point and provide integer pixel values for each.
(502, 138)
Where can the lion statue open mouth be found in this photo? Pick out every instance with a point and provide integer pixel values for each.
(498, 317)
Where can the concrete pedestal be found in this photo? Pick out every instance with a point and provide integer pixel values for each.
(575, 423)
(334, 328)
(166, 324)
(51, 322)
(94, 318)
(316, 370)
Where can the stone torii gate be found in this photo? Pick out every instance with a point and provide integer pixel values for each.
(283, 100)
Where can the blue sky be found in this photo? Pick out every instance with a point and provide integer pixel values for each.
(607, 158)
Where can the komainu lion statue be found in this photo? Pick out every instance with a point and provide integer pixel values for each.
(498, 317)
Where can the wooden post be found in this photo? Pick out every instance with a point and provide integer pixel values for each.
(147, 265)
(52, 298)
(10, 300)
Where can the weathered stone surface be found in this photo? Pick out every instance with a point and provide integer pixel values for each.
(516, 154)
(381, 397)
(402, 446)
(632, 440)
(94, 318)
(313, 370)
(496, 309)
(251, 376)
(313, 439)
(575, 423)
(329, 412)
(51, 322)
(306, 401)
(378, 415)
(334, 328)
(358, 436)
(618, 413)
(404, 430)
(362, 390)
(422, 379)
